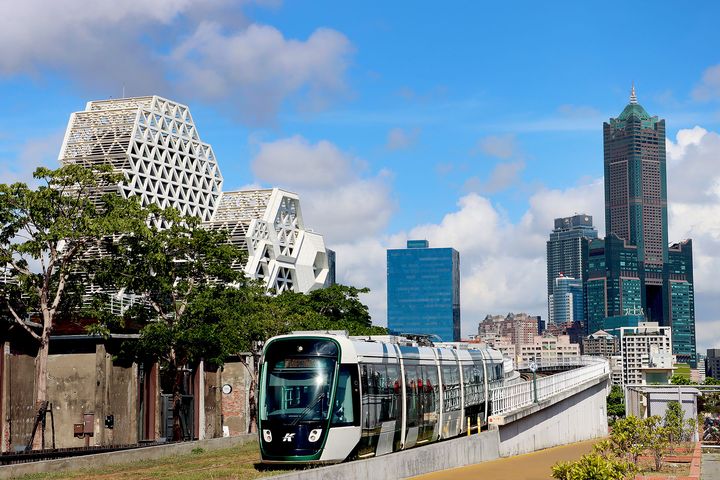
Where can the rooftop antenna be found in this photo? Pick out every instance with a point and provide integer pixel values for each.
(124, 91)
(633, 97)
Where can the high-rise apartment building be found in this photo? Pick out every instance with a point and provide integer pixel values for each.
(633, 269)
(646, 352)
(423, 290)
(567, 251)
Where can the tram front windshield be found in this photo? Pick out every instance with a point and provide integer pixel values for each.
(299, 380)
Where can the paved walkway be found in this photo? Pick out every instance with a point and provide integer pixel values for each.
(531, 466)
(710, 466)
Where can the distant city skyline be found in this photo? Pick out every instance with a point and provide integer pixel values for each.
(474, 137)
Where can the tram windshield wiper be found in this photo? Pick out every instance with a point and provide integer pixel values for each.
(309, 408)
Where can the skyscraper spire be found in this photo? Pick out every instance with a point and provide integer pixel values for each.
(633, 97)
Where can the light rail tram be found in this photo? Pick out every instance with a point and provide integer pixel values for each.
(327, 397)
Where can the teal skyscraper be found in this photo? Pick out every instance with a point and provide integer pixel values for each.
(633, 270)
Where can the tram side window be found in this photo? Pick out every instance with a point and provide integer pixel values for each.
(451, 387)
(394, 392)
(473, 384)
(430, 387)
(411, 390)
(381, 393)
(346, 398)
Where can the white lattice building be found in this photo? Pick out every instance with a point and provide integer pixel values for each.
(269, 225)
(155, 144)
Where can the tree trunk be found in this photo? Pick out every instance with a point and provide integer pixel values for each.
(41, 377)
(177, 403)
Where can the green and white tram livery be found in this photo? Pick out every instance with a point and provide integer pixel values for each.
(325, 398)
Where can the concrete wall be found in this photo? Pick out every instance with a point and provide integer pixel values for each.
(90, 383)
(19, 379)
(213, 404)
(235, 404)
(71, 390)
(579, 416)
(411, 462)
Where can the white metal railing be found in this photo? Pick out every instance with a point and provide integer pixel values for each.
(512, 397)
(573, 361)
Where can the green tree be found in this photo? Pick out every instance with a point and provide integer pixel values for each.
(656, 438)
(674, 422)
(46, 236)
(681, 380)
(628, 438)
(177, 272)
(616, 403)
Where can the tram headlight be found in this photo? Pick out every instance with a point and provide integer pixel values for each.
(267, 435)
(315, 435)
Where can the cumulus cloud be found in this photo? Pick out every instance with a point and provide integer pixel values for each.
(709, 86)
(97, 42)
(399, 139)
(337, 199)
(207, 50)
(258, 68)
(693, 211)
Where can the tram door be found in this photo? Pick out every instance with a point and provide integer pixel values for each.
(381, 408)
(422, 387)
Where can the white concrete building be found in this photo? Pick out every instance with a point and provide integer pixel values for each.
(646, 352)
(155, 144)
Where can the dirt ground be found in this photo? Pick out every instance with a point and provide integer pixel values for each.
(531, 466)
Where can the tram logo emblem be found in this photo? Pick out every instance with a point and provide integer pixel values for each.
(288, 437)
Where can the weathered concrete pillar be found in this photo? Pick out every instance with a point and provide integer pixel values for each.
(199, 394)
(4, 396)
(100, 394)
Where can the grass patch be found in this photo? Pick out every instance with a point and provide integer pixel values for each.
(237, 463)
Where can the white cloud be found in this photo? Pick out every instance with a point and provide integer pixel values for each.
(709, 86)
(399, 138)
(294, 161)
(258, 68)
(96, 42)
(204, 49)
(502, 176)
(337, 200)
(500, 146)
(693, 211)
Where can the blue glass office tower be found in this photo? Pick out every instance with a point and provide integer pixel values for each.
(423, 290)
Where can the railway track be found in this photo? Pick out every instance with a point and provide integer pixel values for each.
(12, 458)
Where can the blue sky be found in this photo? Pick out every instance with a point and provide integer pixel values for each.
(472, 125)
